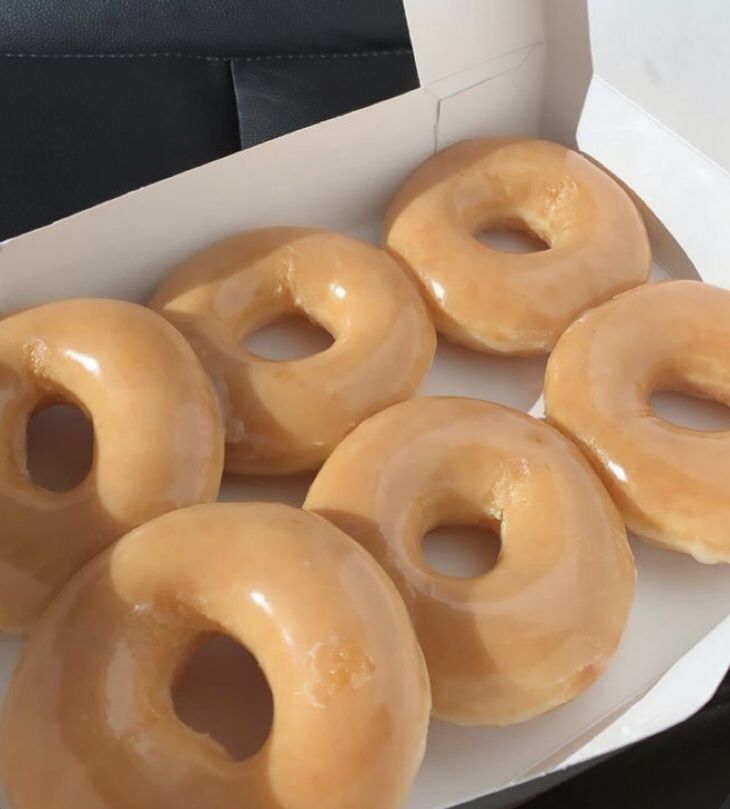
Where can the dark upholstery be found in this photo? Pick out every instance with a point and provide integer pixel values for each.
(98, 97)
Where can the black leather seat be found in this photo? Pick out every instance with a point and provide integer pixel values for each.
(98, 97)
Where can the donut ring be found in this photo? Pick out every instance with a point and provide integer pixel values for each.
(502, 302)
(539, 627)
(89, 720)
(157, 430)
(671, 483)
(286, 417)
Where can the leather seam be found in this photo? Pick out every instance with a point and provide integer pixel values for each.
(173, 55)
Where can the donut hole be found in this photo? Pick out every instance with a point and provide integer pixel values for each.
(59, 447)
(292, 337)
(222, 692)
(691, 412)
(511, 237)
(461, 551)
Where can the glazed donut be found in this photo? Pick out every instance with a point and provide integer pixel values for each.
(502, 302)
(671, 483)
(158, 438)
(286, 417)
(89, 722)
(539, 627)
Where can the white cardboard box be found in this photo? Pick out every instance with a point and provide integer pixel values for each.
(654, 77)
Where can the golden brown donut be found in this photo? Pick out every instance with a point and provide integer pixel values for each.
(286, 417)
(157, 430)
(90, 723)
(671, 483)
(538, 628)
(502, 302)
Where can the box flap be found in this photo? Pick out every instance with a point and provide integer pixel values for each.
(692, 680)
(483, 31)
(655, 116)
(672, 61)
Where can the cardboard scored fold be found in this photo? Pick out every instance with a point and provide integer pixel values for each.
(556, 68)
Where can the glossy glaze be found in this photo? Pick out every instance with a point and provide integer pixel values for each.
(540, 626)
(286, 417)
(671, 483)
(157, 431)
(90, 724)
(502, 302)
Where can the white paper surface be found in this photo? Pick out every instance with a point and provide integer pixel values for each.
(449, 36)
(656, 115)
(686, 191)
(703, 668)
(489, 74)
(671, 60)
(511, 84)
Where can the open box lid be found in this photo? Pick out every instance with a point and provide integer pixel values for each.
(656, 114)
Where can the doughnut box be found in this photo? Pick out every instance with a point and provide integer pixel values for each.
(604, 76)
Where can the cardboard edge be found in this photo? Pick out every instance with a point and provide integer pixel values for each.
(482, 28)
(511, 82)
(687, 192)
(668, 702)
(149, 229)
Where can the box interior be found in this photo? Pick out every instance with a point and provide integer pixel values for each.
(562, 69)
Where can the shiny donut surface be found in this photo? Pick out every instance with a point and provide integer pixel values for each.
(538, 628)
(287, 416)
(90, 721)
(503, 302)
(158, 438)
(671, 483)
